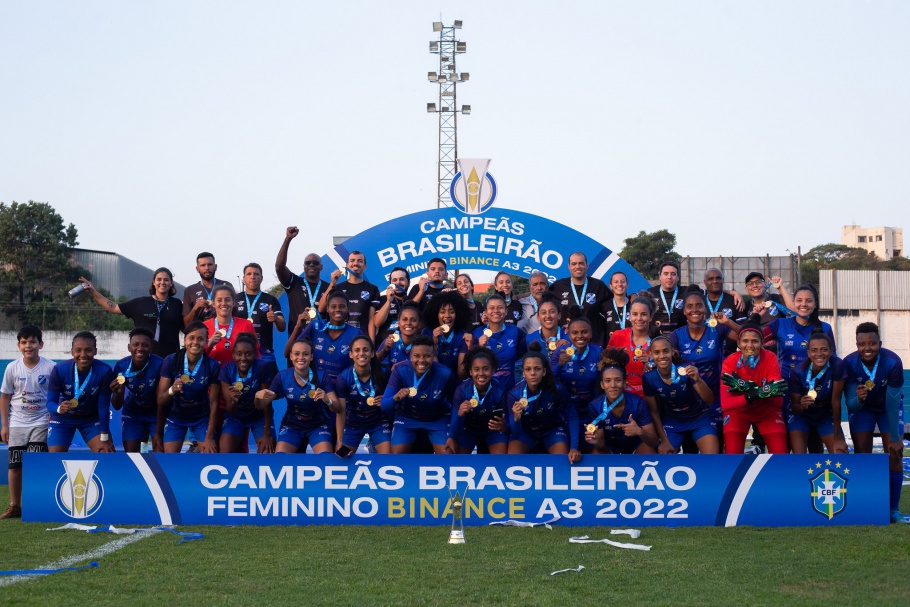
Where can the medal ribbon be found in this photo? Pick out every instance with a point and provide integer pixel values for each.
(606, 408)
(751, 361)
(621, 317)
(633, 345)
(810, 381)
(306, 382)
(584, 291)
(575, 356)
(250, 307)
(477, 395)
(130, 373)
(249, 375)
(672, 301)
(330, 327)
(417, 380)
(79, 389)
(186, 366)
(230, 327)
(359, 386)
(865, 369)
(714, 309)
(556, 338)
(524, 395)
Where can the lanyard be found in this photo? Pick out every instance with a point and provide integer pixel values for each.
(714, 309)
(810, 381)
(230, 330)
(306, 382)
(130, 373)
(524, 395)
(79, 389)
(359, 386)
(581, 359)
(606, 408)
(330, 327)
(639, 350)
(871, 375)
(580, 300)
(312, 294)
(533, 303)
(672, 301)
(417, 381)
(186, 366)
(208, 294)
(621, 317)
(249, 374)
(250, 307)
(751, 361)
(477, 395)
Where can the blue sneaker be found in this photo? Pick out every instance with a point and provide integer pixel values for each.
(898, 518)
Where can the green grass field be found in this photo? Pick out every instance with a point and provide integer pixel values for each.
(498, 566)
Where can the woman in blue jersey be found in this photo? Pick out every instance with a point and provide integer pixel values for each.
(679, 401)
(419, 395)
(507, 341)
(550, 335)
(240, 380)
(816, 387)
(331, 341)
(447, 320)
(135, 389)
(620, 420)
(792, 334)
(310, 397)
(502, 283)
(188, 394)
(478, 407)
(79, 398)
(575, 368)
(542, 415)
(397, 345)
(359, 389)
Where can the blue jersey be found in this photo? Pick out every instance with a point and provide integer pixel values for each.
(434, 394)
(824, 385)
(303, 413)
(633, 407)
(95, 399)
(509, 344)
(705, 353)
(792, 341)
(358, 414)
(192, 402)
(544, 344)
(399, 352)
(889, 374)
(677, 400)
(478, 418)
(448, 349)
(549, 411)
(259, 374)
(141, 394)
(330, 355)
(579, 376)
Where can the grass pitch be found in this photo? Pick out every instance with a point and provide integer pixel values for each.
(498, 566)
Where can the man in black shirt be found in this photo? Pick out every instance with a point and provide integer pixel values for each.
(303, 293)
(583, 292)
(262, 309)
(431, 284)
(668, 316)
(197, 298)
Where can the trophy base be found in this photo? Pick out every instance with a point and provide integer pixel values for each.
(456, 537)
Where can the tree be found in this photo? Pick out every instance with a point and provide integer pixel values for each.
(837, 257)
(646, 252)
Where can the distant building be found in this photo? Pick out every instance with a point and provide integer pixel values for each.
(121, 276)
(885, 242)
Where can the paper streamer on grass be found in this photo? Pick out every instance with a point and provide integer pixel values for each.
(633, 533)
(584, 540)
(514, 523)
(185, 536)
(47, 571)
(580, 567)
(75, 526)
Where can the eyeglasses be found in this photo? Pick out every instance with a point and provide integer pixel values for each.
(312, 263)
(755, 283)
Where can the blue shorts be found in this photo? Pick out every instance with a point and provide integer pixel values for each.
(380, 433)
(295, 438)
(404, 430)
(236, 427)
(677, 430)
(175, 430)
(547, 439)
(468, 440)
(268, 361)
(865, 420)
(800, 423)
(60, 433)
(137, 427)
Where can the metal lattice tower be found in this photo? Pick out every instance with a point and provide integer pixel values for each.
(447, 78)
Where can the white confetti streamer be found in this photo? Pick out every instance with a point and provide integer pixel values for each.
(580, 567)
(514, 523)
(584, 540)
(633, 533)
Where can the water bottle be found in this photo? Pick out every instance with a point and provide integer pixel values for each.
(76, 291)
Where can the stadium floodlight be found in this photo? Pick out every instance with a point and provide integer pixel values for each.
(444, 108)
(437, 26)
(466, 109)
(442, 78)
(431, 108)
(464, 76)
(461, 47)
(457, 25)
(434, 46)
(432, 77)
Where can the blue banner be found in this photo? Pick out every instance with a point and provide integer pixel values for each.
(685, 490)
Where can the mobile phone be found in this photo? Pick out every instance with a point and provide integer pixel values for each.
(344, 451)
(498, 412)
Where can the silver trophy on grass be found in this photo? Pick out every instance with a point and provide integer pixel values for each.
(456, 500)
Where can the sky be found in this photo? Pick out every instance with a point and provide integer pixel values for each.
(164, 129)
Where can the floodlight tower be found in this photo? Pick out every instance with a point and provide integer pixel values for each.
(447, 78)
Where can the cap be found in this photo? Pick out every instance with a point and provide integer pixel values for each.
(752, 275)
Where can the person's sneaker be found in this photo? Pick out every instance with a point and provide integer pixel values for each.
(15, 511)
(896, 517)
(756, 450)
(193, 448)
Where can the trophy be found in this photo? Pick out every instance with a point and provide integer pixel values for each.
(456, 536)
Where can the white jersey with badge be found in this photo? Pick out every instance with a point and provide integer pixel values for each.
(28, 405)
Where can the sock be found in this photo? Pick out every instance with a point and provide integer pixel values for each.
(895, 481)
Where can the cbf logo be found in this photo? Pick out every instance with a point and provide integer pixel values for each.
(473, 190)
(79, 492)
(829, 488)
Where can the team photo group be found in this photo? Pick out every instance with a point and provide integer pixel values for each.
(575, 366)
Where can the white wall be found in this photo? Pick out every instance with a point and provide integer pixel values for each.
(57, 344)
(893, 324)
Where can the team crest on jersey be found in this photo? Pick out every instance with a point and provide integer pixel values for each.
(79, 491)
(516, 314)
(678, 304)
(727, 312)
(590, 298)
(42, 379)
(263, 307)
(711, 344)
(829, 488)
(364, 295)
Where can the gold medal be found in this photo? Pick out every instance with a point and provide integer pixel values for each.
(551, 345)
(523, 402)
(311, 313)
(370, 401)
(488, 332)
(869, 384)
(445, 328)
(590, 428)
(768, 303)
(222, 332)
(74, 403)
(657, 323)
(238, 385)
(412, 391)
(639, 351)
(712, 322)
(812, 394)
(311, 393)
(570, 351)
(681, 370)
(474, 403)
(120, 379)
(185, 378)
(395, 337)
